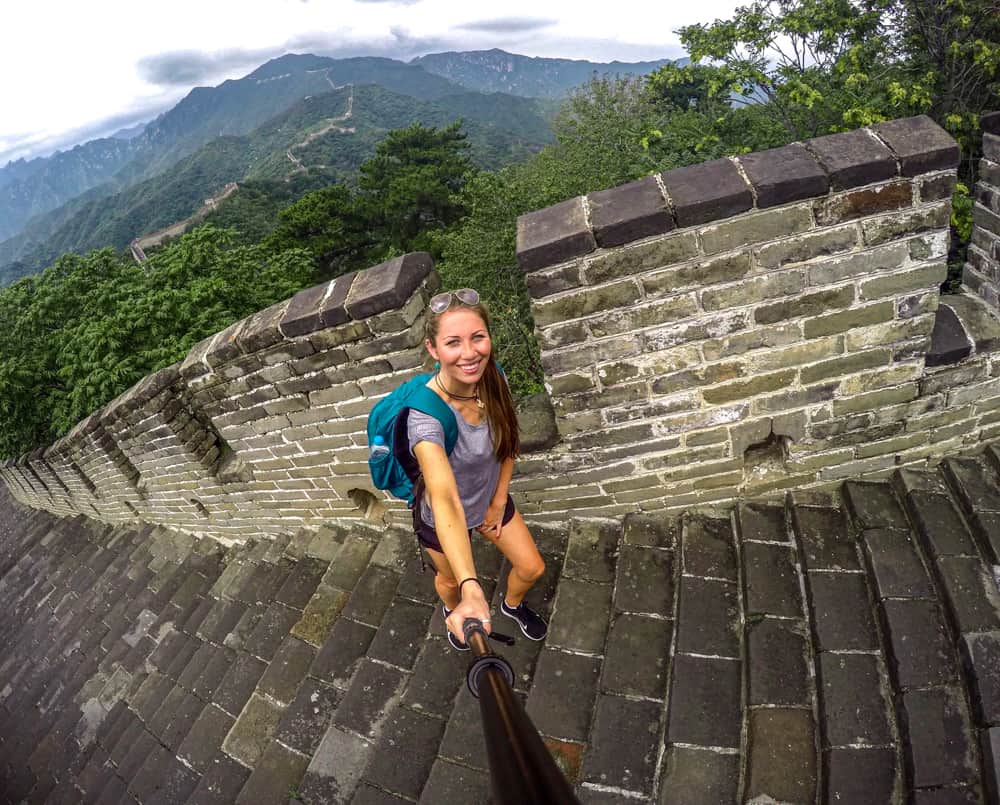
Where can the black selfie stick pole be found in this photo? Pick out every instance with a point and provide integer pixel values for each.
(521, 768)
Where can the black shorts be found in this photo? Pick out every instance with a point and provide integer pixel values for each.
(428, 537)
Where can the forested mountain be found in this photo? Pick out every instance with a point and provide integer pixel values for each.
(329, 134)
(234, 108)
(498, 71)
(29, 188)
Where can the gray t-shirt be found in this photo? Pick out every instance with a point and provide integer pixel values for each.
(472, 461)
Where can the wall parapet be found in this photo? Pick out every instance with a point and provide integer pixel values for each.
(730, 329)
(751, 325)
(982, 269)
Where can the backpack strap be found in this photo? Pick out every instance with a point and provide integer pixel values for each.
(427, 402)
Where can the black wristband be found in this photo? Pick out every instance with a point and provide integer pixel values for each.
(471, 578)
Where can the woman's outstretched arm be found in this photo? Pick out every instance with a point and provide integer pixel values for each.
(452, 533)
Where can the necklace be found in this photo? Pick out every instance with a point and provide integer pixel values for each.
(440, 385)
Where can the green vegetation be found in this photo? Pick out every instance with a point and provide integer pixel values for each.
(90, 326)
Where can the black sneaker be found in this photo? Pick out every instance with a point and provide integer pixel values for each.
(531, 624)
(455, 642)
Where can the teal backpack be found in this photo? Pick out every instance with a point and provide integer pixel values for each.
(395, 469)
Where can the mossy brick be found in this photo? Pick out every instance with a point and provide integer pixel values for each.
(783, 760)
(561, 278)
(757, 227)
(807, 246)
(848, 319)
(785, 174)
(986, 219)
(387, 286)
(638, 317)
(724, 268)
(707, 192)
(853, 158)
(553, 235)
(906, 282)
(659, 253)
(753, 289)
(870, 262)
(846, 365)
(890, 332)
(252, 731)
(920, 145)
(810, 304)
(629, 212)
(325, 340)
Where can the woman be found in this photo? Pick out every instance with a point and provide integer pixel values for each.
(468, 490)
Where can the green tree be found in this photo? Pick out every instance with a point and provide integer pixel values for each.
(331, 225)
(409, 189)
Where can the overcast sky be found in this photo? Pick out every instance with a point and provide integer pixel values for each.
(71, 71)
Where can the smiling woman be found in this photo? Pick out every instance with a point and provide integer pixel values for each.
(467, 489)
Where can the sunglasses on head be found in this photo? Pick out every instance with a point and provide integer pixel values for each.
(442, 301)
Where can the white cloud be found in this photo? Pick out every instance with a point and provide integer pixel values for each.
(69, 69)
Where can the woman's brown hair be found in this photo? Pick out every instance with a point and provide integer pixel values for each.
(493, 389)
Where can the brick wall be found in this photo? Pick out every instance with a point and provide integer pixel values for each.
(260, 429)
(746, 326)
(731, 329)
(982, 271)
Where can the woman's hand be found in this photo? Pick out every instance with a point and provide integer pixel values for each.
(492, 523)
(472, 605)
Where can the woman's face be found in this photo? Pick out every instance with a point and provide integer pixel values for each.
(462, 346)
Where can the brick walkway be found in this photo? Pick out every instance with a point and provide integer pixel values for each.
(795, 653)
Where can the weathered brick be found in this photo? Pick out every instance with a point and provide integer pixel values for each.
(629, 212)
(724, 268)
(704, 702)
(781, 175)
(849, 319)
(919, 144)
(715, 327)
(638, 317)
(846, 365)
(782, 763)
(810, 304)
(776, 662)
(807, 246)
(889, 227)
(562, 278)
(905, 282)
(854, 710)
(553, 235)
(865, 202)
(573, 358)
(841, 614)
(867, 263)
(939, 742)
(754, 289)
(757, 227)
(741, 389)
(642, 257)
(919, 646)
(707, 192)
(853, 158)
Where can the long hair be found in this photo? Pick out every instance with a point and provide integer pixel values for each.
(493, 389)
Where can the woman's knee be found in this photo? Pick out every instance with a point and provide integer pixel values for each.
(445, 582)
(532, 570)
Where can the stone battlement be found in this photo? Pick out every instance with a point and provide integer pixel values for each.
(722, 331)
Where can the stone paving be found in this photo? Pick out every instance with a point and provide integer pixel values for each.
(838, 648)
